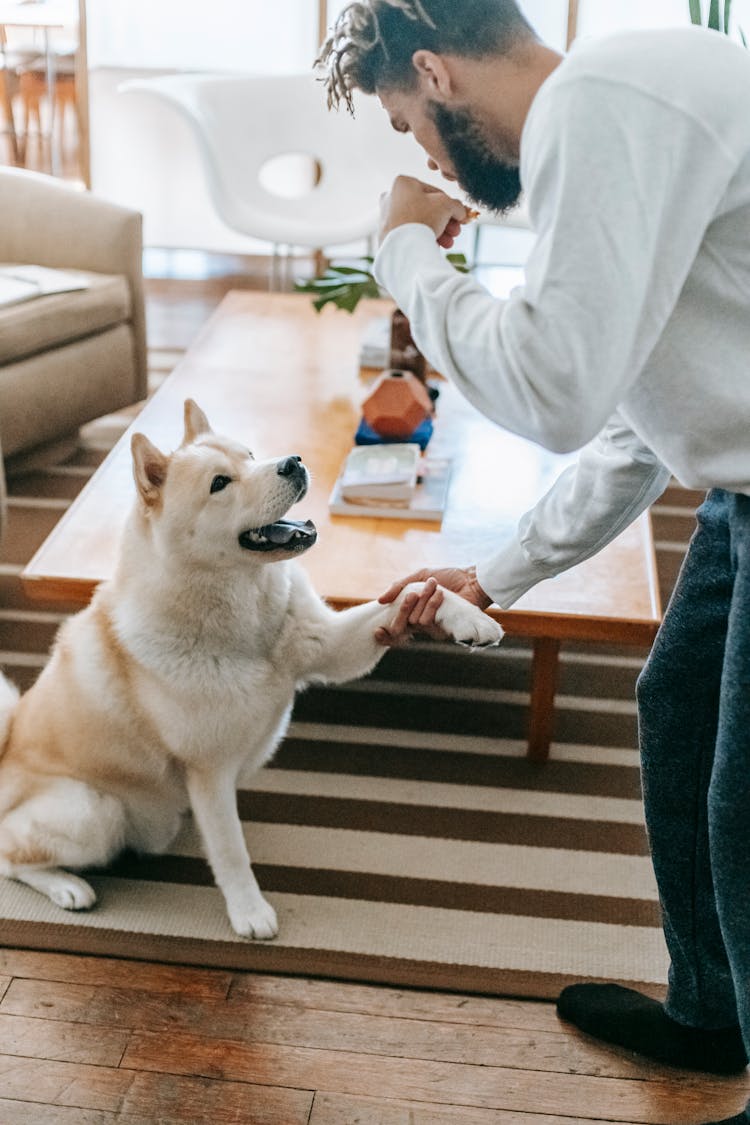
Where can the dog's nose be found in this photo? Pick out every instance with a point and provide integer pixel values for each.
(289, 466)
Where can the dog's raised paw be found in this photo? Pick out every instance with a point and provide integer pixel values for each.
(258, 922)
(467, 624)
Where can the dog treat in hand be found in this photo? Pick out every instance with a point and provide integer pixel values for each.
(471, 215)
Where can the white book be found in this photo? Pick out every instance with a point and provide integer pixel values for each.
(24, 282)
(428, 501)
(381, 472)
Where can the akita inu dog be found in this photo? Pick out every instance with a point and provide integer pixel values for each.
(180, 675)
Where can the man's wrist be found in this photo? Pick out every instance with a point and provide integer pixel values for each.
(479, 596)
(397, 224)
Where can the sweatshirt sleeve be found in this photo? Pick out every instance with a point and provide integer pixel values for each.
(620, 190)
(615, 478)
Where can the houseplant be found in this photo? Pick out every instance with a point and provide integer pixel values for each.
(718, 16)
(346, 285)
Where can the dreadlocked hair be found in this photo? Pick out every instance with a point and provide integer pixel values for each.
(372, 42)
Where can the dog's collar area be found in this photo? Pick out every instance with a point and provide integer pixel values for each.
(289, 535)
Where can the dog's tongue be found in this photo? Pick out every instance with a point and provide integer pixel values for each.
(283, 530)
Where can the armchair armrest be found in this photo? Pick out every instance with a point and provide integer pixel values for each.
(49, 223)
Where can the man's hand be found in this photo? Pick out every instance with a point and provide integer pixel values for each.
(411, 201)
(417, 611)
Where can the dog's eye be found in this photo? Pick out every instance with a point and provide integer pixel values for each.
(220, 482)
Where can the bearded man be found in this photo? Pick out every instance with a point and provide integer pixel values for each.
(629, 341)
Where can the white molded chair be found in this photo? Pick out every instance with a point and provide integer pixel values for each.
(242, 122)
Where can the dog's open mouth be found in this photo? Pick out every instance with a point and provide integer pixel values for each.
(284, 535)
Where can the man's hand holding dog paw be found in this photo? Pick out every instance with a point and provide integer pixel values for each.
(421, 612)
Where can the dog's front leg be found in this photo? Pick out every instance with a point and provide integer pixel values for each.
(347, 648)
(213, 799)
(350, 649)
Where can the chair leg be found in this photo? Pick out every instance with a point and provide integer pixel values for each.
(6, 99)
(274, 273)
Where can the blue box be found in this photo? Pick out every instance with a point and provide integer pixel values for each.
(365, 435)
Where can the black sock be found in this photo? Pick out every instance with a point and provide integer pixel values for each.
(629, 1019)
(740, 1119)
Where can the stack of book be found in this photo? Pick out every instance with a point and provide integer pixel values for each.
(391, 481)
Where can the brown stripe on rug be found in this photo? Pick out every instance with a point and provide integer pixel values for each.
(399, 831)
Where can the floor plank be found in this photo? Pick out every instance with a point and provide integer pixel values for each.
(61, 1040)
(32, 1113)
(342, 1109)
(63, 1083)
(149, 1097)
(26, 963)
(394, 1035)
(649, 1102)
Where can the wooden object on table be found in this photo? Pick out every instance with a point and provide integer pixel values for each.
(396, 405)
(405, 354)
(271, 371)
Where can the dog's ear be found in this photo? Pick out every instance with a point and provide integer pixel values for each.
(196, 422)
(149, 468)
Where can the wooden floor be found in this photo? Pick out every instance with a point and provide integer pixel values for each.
(88, 1041)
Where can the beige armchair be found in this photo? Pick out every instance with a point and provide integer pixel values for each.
(69, 357)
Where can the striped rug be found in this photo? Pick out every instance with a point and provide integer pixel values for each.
(399, 831)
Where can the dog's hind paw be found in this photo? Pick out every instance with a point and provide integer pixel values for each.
(258, 922)
(467, 624)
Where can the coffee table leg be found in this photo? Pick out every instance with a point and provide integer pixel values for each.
(543, 686)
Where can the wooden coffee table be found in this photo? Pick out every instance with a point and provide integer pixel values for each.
(270, 371)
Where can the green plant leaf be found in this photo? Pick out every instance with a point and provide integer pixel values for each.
(714, 15)
(459, 262)
(334, 296)
(696, 15)
(344, 292)
(348, 270)
(362, 266)
(351, 299)
(333, 280)
(345, 286)
(727, 15)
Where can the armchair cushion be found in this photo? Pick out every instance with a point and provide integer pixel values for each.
(67, 357)
(30, 327)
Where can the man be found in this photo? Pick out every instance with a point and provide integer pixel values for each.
(631, 342)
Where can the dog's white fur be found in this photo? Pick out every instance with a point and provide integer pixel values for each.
(179, 677)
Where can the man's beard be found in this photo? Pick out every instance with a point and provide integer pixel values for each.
(487, 180)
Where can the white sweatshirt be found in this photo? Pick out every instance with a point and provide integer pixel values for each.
(630, 339)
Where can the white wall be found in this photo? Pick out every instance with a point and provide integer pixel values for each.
(598, 17)
(236, 35)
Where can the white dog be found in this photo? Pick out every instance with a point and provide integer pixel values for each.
(180, 675)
